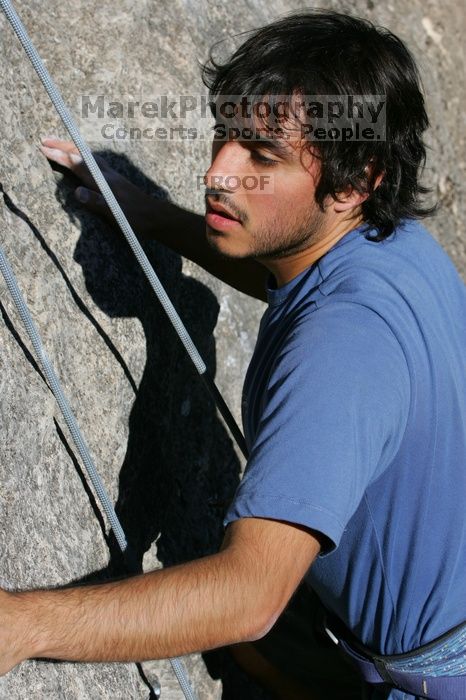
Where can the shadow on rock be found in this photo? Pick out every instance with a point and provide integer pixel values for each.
(180, 470)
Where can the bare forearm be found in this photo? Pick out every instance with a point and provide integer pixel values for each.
(179, 229)
(192, 607)
(184, 232)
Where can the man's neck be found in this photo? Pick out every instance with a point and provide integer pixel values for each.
(287, 268)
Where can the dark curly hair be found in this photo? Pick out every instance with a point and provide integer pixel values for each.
(320, 52)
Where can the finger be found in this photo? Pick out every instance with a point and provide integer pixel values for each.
(55, 142)
(66, 158)
(70, 161)
(92, 200)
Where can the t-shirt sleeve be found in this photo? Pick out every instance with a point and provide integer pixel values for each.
(332, 418)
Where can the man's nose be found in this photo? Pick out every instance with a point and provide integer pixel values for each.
(228, 161)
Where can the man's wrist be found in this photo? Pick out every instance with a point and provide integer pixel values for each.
(24, 628)
(140, 209)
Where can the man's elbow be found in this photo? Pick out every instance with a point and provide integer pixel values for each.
(261, 627)
(252, 549)
(260, 620)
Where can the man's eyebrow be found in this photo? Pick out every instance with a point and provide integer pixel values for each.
(278, 146)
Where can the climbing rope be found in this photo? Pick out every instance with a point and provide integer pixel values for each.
(55, 386)
(155, 283)
(121, 219)
(78, 439)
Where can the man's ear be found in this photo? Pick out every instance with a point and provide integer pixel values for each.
(351, 198)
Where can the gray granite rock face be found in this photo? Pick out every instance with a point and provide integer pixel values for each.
(164, 455)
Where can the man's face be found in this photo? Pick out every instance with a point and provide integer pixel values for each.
(272, 224)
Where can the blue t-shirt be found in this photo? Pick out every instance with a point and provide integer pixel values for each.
(354, 412)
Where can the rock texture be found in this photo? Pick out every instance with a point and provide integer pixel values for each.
(164, 455)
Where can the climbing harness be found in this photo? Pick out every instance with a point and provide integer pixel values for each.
(434, 671)
(52, 379)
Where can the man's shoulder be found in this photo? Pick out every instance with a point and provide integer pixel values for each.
(383, 295)
(368, 261)
(407, 270)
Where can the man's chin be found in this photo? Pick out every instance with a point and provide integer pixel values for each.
(213, 232)
(224, 244)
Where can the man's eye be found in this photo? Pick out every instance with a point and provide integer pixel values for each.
(262, 159)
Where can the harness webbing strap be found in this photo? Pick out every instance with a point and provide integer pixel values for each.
(435, 671)
(78, 439)
(119, 216)
(416, 682)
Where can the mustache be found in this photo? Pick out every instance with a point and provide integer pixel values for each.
(223, 199)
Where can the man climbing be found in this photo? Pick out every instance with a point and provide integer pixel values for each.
(354, 404)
